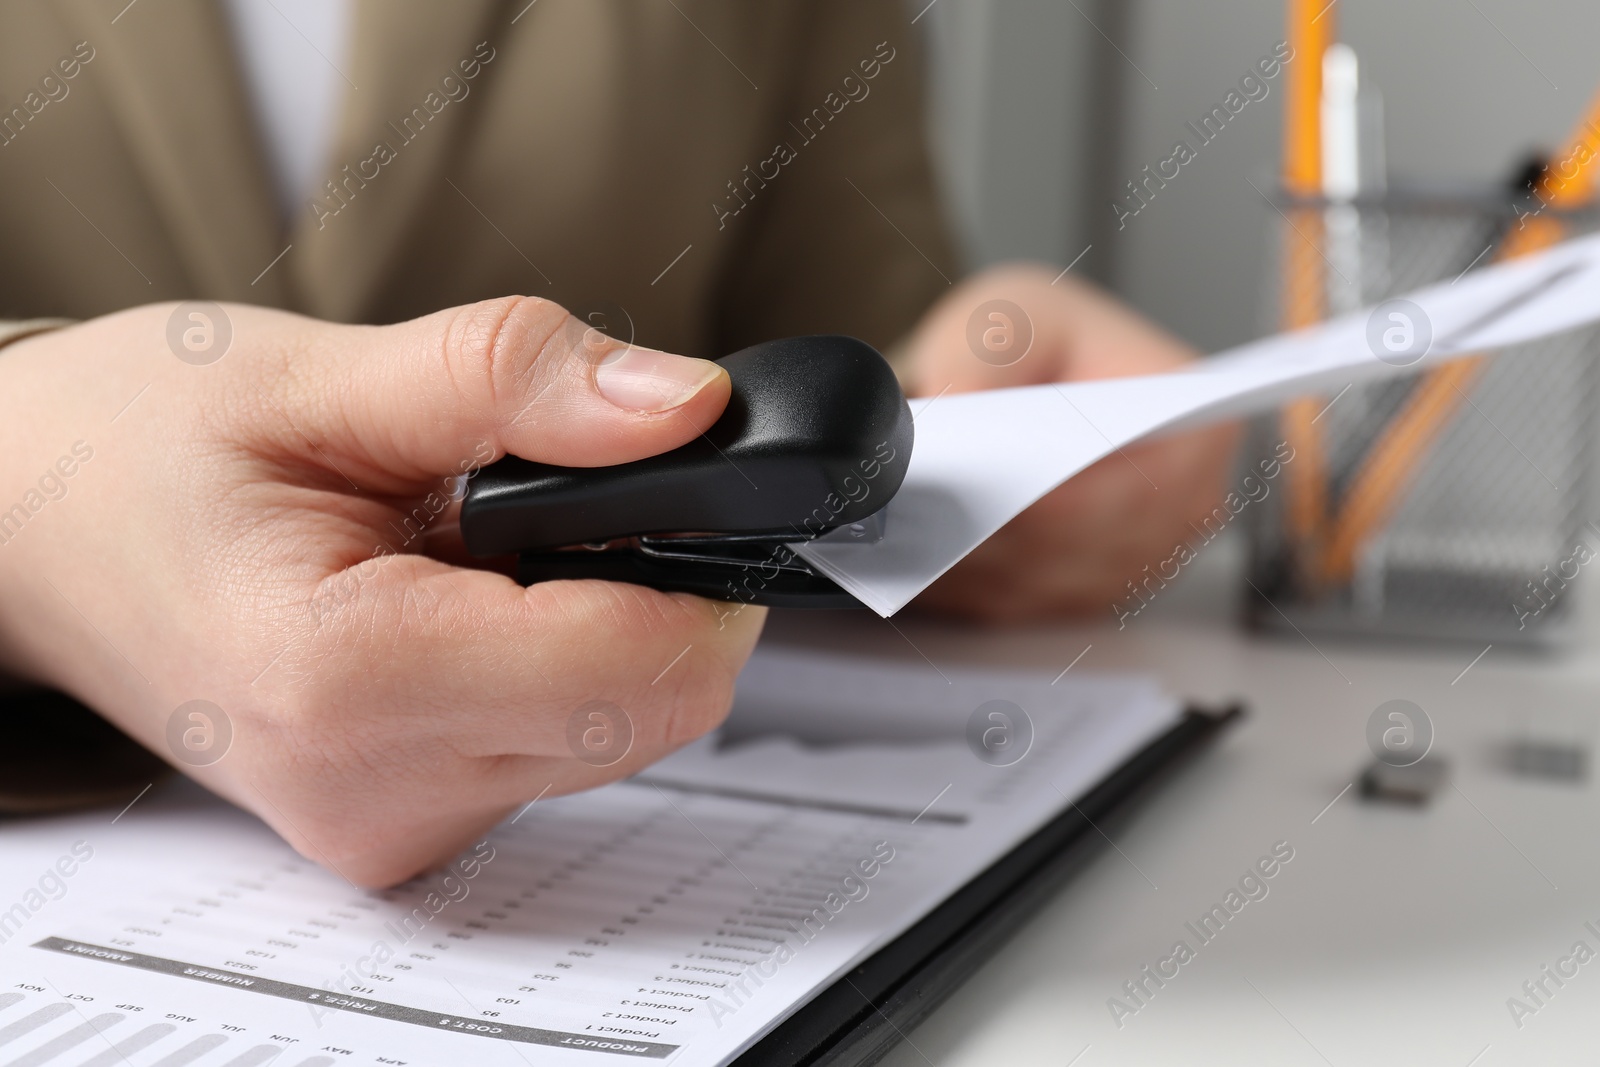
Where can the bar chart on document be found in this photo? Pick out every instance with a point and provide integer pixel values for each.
(676, 916)
(633, 871)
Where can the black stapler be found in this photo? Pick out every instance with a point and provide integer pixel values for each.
(814, 442)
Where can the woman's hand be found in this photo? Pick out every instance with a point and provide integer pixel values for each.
(235, 506)
(1075, 550)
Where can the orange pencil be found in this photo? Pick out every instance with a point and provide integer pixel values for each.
(1310, 31)
(1380, 483)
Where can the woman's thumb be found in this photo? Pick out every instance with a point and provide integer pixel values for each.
(516, 375)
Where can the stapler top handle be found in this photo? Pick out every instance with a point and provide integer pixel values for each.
(817, 435)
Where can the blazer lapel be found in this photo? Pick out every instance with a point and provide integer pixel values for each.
(174, 88)
(394, 140)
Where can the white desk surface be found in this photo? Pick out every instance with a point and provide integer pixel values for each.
(1394, 936)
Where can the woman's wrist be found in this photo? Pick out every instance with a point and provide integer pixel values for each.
(13, 330)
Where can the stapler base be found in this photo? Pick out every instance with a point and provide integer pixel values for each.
(748, 583)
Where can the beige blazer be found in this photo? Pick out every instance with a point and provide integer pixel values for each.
(697, 174)
(717, 171)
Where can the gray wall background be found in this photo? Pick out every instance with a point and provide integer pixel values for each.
(1042, 109)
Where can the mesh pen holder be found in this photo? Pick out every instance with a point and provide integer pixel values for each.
(1489, 527)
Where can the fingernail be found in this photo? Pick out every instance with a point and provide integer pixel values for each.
(642, 379)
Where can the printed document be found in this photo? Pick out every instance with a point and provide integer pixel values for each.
(676, 916)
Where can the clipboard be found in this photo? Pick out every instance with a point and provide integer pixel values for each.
(862, 1016)
(834, 1020)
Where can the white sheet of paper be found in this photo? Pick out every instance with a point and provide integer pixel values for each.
(669, 917)
(981, 458)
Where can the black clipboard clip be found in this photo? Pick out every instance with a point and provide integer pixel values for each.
(814, 443)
